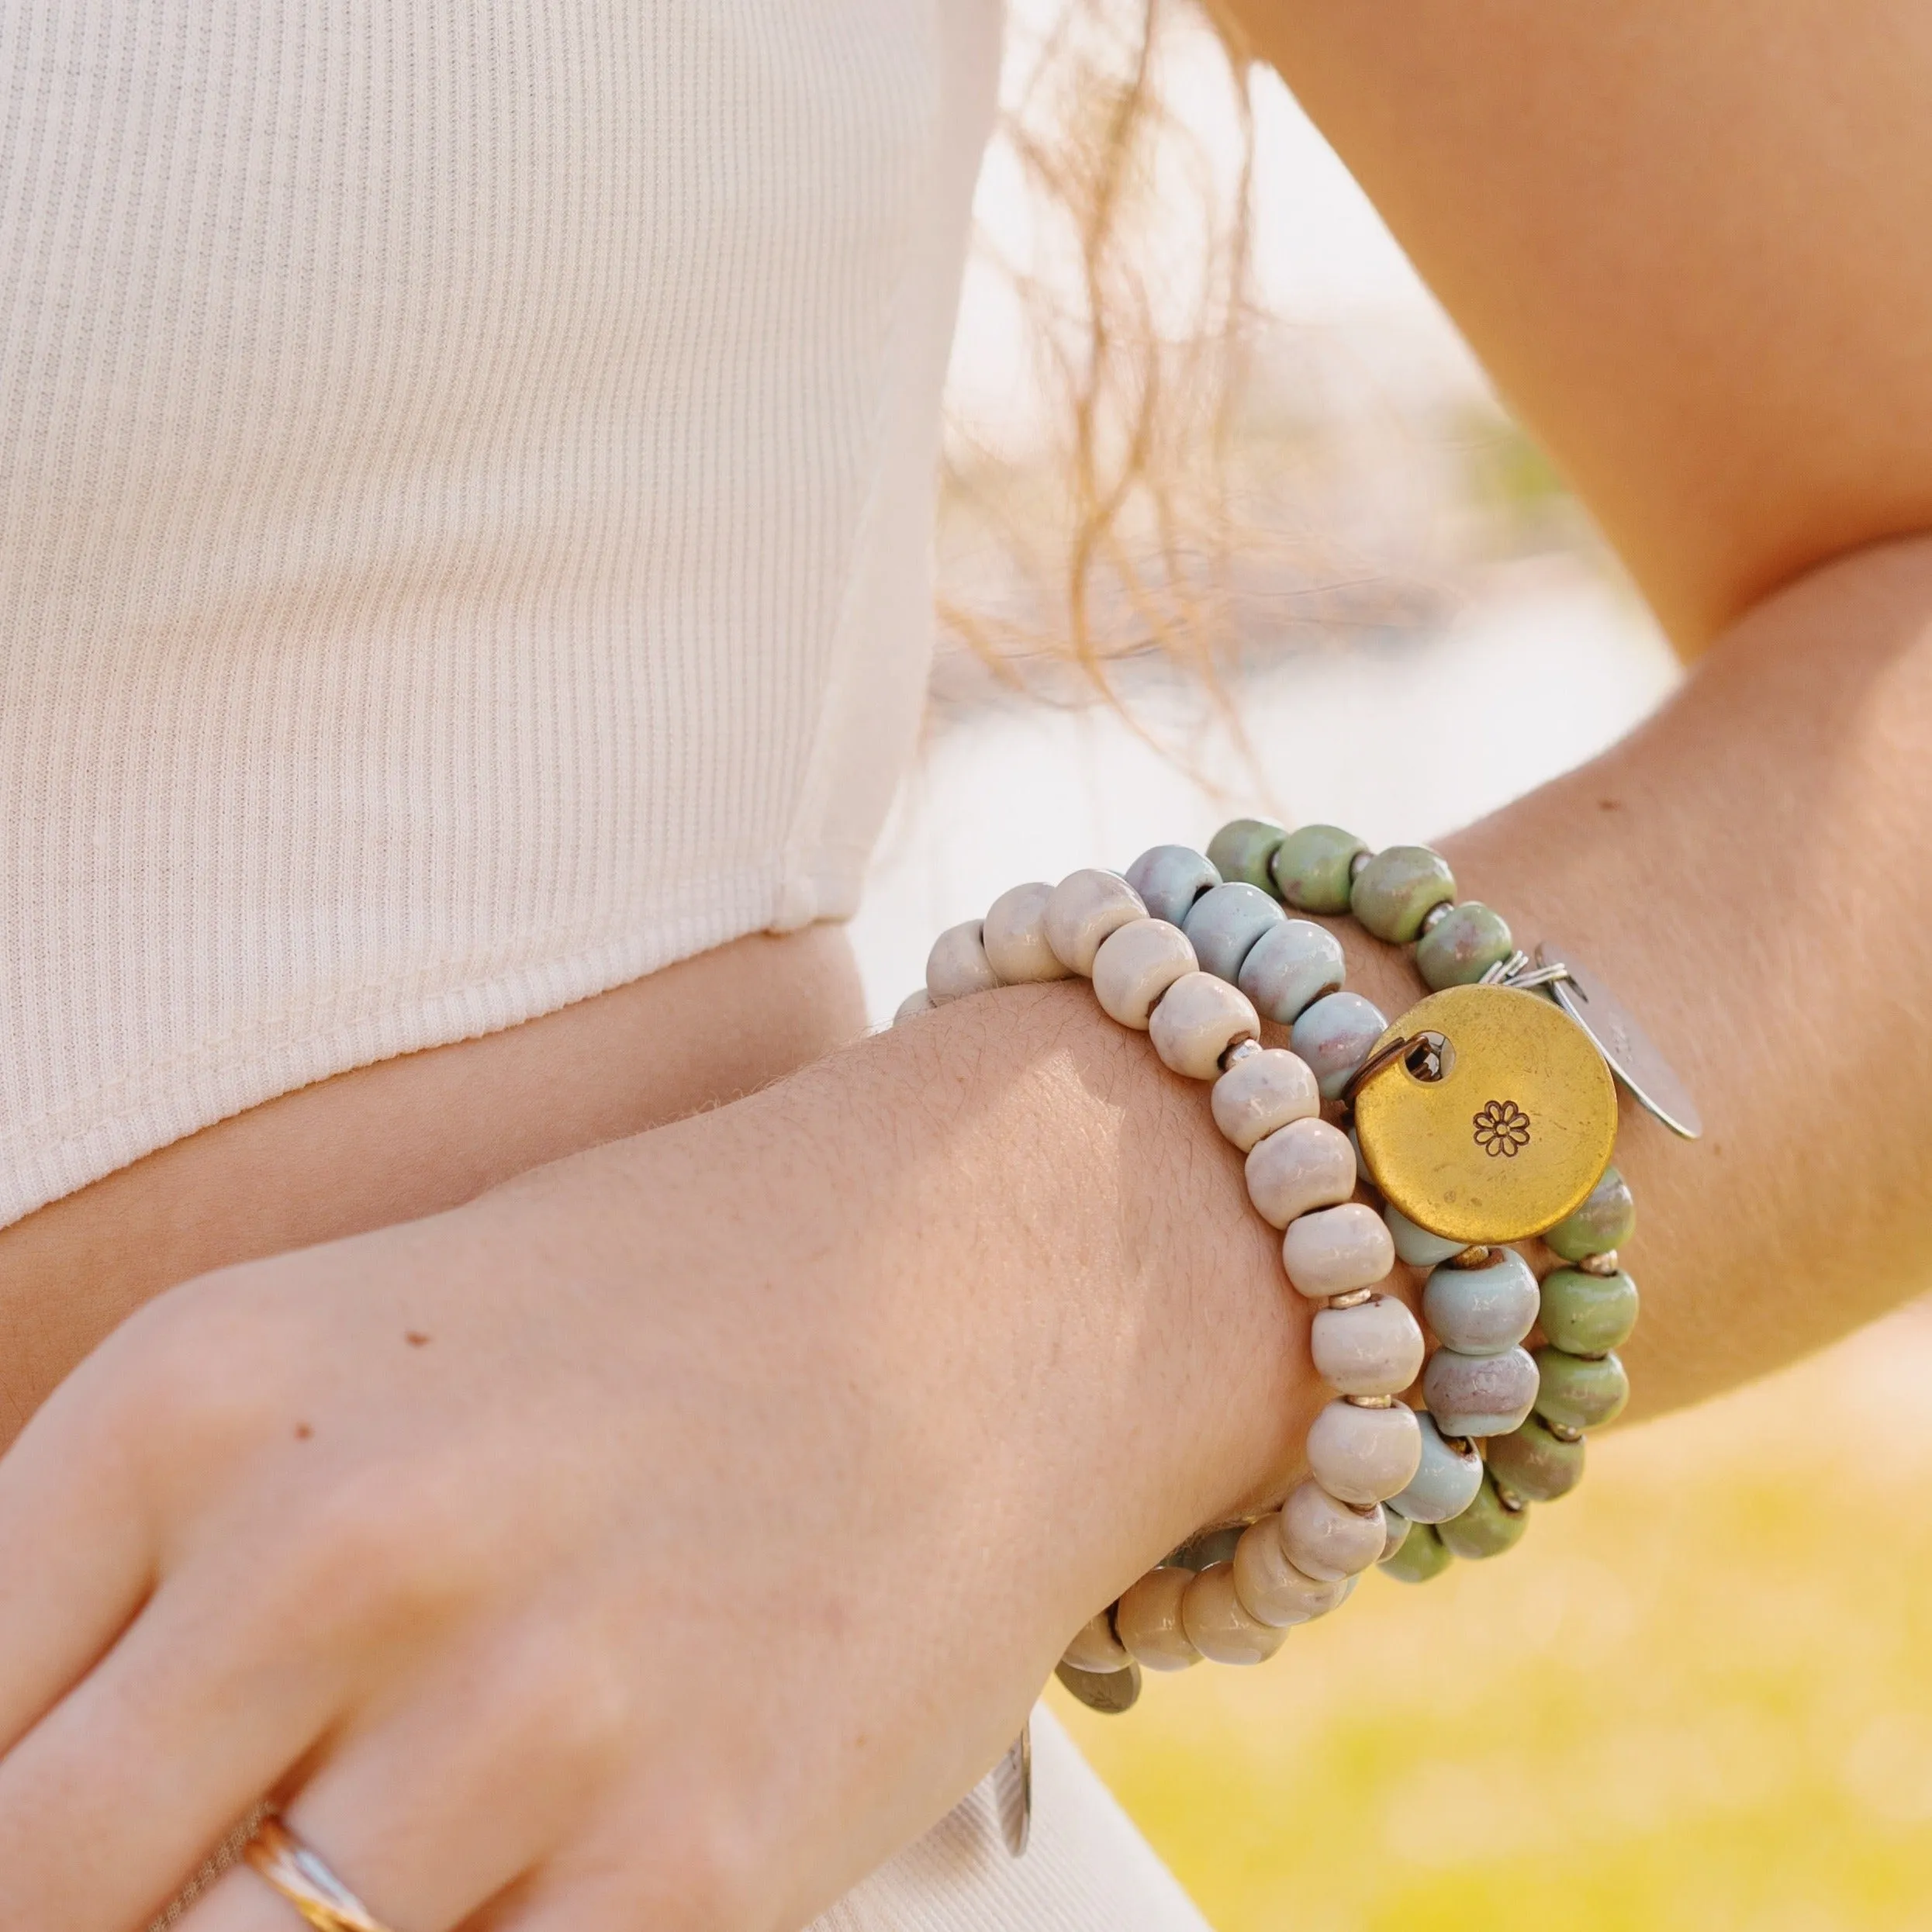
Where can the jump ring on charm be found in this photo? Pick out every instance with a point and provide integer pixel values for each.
(297, 1872)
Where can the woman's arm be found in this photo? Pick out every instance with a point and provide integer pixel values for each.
(680, 1528)
(1690, 243)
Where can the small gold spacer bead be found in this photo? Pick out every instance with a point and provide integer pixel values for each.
(1370, 1402)
(1353, 1299)
(1475, 1257)
(1600, 1263)
(1563, 1432)
(1514, 1504)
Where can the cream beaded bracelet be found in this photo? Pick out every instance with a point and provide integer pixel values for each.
(1486, 1116)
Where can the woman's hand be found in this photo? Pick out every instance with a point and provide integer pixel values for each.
(662, 1540)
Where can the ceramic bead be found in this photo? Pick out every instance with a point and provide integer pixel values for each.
(1373, 1349)
(1398, 1529)
(1588, 1314)
(1479, 1394)
(1335, 1035)
(1292, 965)
(1014, 934)
(1603, 1222)
(1362, 1456)
(1261, 1093)
(1084, 908)
(1169, 879)
(1311, 868)
(1576, 1392)
(1225, 924)
(1218, 1626)
(1324, 1538)
(1460, 949)
(1482, 1310)
(1109, 1691)
(1136, 966)
(957, 965)
(1398, 889)
(1421, 1557)
(1536, 1464)
(1095, 1647)
(1199, 1017)
(1271, 1589)
(1241, 849)
(1485, 1529)
(1148, 1619)
(1305, 1165)
(1417, 1245)
(1447, 1478)
(1336, 1250)
(912, 1005)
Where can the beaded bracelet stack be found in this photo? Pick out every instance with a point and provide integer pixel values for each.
(1486, 1115)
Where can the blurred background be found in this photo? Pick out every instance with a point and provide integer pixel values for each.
(1700, 1694)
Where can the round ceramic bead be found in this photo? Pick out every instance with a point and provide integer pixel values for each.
(1014, 934)
(1169, 879)
(1479, 1394)
(1398, 889)
(1482, 1310)
(1292, 965)
(1136, 965)
(1218, 1626)
(1109, 1691)
(1199, 1017)
(1364, 1455)
(1305, 1165)
(1260, 1093)
(1241, 849)
(1588, 1314)
(1421, 1556)
(1417, 1245)
(1576, 1392)
(1536, 1464)
(1085, 907)
(1447, 1478)
(912, 1005)
(1335, 1035)
(957, 965)
(1398, 1529)
(1602, 1223)
(1460, 949)
(1336, 1250)
(1095, 1647)
(1485, 1529)
(1373, 1349)
(1313, 868)
(1148, 1619)
(1225, 923)
(1324, 1538)
(1271, 1589)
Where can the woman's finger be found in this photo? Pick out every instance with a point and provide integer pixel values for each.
(118, 1793)
(429, 1813)
(77, 1558)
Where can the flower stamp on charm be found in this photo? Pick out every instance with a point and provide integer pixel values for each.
(1502, 1128)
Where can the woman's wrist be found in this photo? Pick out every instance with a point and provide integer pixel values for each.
(1013, 1227)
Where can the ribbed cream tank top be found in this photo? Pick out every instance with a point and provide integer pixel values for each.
(466, 483)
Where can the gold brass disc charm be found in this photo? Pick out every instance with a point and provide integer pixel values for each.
(1496, 1128)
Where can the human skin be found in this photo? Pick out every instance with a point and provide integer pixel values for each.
(751, 1470)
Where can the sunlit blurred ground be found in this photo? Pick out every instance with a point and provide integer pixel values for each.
(1698, 1695)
